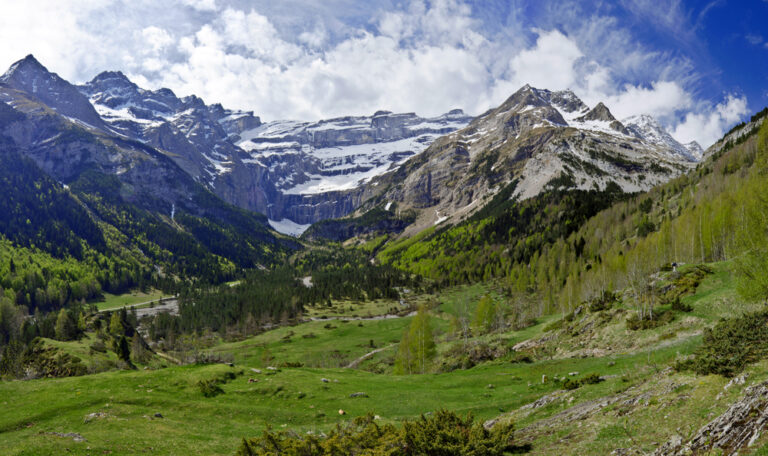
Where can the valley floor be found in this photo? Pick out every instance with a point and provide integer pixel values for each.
(640, 403)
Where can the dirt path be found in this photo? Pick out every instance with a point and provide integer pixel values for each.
(376, 317)
(359, 360)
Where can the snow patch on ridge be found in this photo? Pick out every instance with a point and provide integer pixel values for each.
(289, 227)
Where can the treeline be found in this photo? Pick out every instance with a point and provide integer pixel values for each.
(280, 295)
(504, 233)
(564, 248)
(716, 213)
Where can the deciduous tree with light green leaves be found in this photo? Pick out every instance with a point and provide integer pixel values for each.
(752, 265)
(116, 325)
(417, 347)
(488, 316)
(65, 326)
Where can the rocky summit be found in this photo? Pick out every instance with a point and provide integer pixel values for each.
(536, 140)
(298, 173)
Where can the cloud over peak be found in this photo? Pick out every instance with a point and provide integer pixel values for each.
(424, 56)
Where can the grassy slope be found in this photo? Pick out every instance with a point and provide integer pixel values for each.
(296, 398)
(128, 299)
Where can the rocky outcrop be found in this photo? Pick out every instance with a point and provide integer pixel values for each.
(32, 78)
(541, 139)
(739, 427)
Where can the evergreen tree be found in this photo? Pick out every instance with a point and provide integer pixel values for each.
(122, 350)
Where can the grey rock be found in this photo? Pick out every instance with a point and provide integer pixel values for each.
(738, 427)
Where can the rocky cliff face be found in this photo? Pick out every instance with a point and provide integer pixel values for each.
(135, 176)
(298, 173)
(542, 139)
(293, 172)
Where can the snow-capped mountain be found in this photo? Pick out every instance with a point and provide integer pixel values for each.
(649, 129)
(121, 178)
(29, 76)
(196, 134)
(295, 172)
(346, 152)
(540, 140)
(298, 173)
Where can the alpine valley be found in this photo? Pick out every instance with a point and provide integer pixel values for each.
(544, 278)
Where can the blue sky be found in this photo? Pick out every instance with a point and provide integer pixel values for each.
(697, 66)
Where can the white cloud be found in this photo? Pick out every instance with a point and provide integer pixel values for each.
(427, 57)
(662, 99)
(754, 39)
(708, 123)
(201, 5)
(549, 64)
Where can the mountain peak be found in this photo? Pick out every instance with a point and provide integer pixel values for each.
(28, 64)
(650, 130)
(110, 76)
(599, 112)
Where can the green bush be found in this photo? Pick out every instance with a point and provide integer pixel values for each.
(680, 306)
(571, 384)
(591, 379)
(210, 388)
(604, 301)
(731, 345)
(443, 433)
(636, 323)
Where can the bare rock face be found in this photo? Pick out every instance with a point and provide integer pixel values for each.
(739, 427)
(29, 76)
(541, 140)
(310, 171)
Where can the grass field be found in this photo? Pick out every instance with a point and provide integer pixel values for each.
(290, 398)
(129, 299)
(114, 412)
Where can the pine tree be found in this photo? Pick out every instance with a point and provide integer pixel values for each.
(122, 350)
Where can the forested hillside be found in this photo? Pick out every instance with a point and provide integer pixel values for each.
(565, 247)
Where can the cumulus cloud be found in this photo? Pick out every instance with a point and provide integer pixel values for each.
(707, 124)
(201, 5)
(424, 56)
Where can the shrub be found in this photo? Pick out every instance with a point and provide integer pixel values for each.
(731, 345)
(210, 387)
(680, 306)
(466, 356)
(684, 283)
(99, 346)
(571, 384)
(604, 301)
(443, 433)
(591, 379)
(636, 323)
